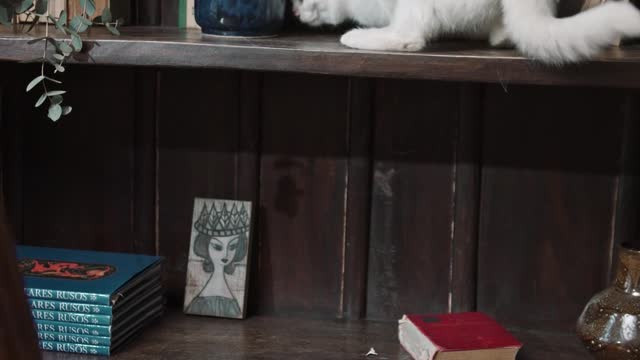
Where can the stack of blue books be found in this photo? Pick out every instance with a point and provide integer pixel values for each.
(90, 302)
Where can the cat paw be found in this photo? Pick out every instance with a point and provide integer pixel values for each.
(380, 40)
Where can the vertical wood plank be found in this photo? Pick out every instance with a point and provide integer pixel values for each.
(627, 228)
(303, 181)
(467, 199)
(548, 188)
(412, 206)
(145, 161)
(358, 211)
(11, 133)
(202, 152)
(79, 179)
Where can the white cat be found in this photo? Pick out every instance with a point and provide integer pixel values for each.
(530, 25)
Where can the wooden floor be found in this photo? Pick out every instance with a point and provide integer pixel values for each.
(180, 337)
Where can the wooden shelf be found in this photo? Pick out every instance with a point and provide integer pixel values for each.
(322, 54)
(180, 337)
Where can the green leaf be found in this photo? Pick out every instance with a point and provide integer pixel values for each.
(106, 15)
(66, 110)
(77, 24)
(89, 6)
(56, 92)
(55, 111)
(5, 16)
(62, 18)
(85, 21)
(76, 42)
(24, 6)
(113, 30)
(42, 6)
(65, 48)
(58, 24)
(57, 99)
(41, 100)
(58, 56)
(35, 82)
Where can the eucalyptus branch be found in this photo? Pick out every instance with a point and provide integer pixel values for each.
(56, 52)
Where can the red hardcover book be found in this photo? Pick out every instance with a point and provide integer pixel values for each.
(462, 336)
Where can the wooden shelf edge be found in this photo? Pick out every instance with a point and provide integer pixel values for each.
(322, 54)
(183, 337)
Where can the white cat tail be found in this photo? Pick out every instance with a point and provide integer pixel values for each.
(538, 34)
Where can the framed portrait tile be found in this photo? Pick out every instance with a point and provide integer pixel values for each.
(217, 272)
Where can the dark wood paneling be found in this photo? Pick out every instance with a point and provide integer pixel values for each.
(11, 129)
(170, 12)
(17, 333)
(202, 152)
(145, 161)
(411, 231)
(78, 173)
(358, 211)
(467, 199)
(147, 12)
(548, 185)
(303, 181)
(627, 226)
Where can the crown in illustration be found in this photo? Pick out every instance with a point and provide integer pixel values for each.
(222, 222)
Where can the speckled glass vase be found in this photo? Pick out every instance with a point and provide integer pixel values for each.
(608, 326)
(247, 18)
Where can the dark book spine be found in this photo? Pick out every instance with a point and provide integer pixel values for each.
(88, 319)
(72, 296)
(74, 339)
(54, 305)
(74, 348)
(71, 328)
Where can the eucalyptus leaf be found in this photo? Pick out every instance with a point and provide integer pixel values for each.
(55, 111)
(35, 82)
(56, 92)
(5, 16)
(76, 42)
(57, 99)
(65, 48)
(59, 57)
(42, 6)
(66, 110)
(24, 6)
(58, 24)
(77, 24)
(41, 100)
(62, 18)
(112, 29)
(89, 6)
(85, 21)
(106, 15)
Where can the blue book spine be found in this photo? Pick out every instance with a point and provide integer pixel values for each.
(73, 296)
(74, 339)
(53, 305)
(70, 328)
(71, 317)
(74, 348)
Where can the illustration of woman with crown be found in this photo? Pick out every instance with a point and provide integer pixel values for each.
(221, 243)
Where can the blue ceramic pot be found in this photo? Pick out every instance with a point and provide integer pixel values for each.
(240, 17)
